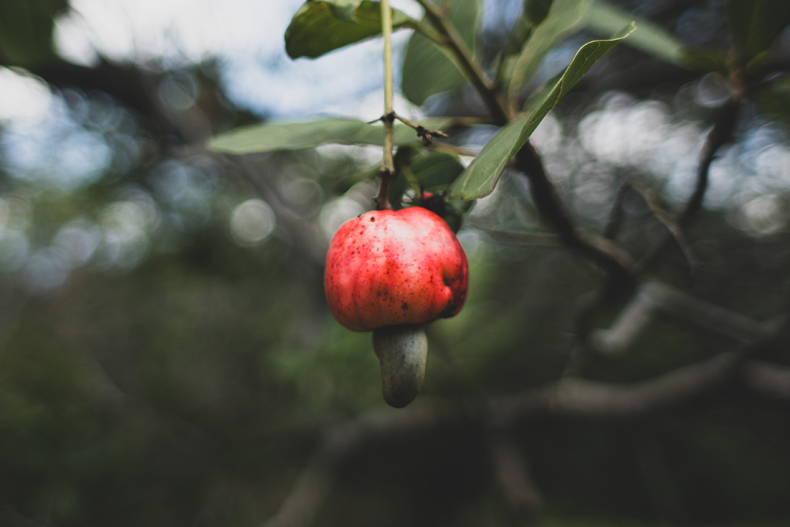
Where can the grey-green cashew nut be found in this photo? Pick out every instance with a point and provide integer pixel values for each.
(403, 354)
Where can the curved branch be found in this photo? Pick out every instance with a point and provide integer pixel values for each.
(602, 251)
(720, 134)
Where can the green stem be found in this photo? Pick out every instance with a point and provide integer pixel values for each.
(388, 163)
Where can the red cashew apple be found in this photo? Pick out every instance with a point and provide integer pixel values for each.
(392, 272)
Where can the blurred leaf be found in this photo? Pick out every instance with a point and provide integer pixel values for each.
(433, 171)
(755, 24)
(26, 30)
(519, 34)
(455, 212)
(480, 178)
(270, 137)
(436, 170)
(426, 68)
(774, 99)
(564, 19)
(536, 11)
(704, 59)
(606, 19)
(319, 27)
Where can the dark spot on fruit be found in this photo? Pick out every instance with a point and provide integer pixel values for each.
(404, 306)
(372, 218)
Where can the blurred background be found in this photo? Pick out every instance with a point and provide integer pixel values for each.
(166, 354)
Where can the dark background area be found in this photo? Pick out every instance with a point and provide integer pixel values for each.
(167, 356)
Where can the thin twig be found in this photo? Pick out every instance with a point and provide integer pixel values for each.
(615, 220)
(423, 133)
(430, 33)
(720, 134)
(453, 150)
(651, 199)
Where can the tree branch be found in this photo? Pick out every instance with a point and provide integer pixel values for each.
(653, 297)
(720, 134)
(565, 398)
(511, 473)
(603, 252)
(673, 228)
(772, 380)
(472, 70)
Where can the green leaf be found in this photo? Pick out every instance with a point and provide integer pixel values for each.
(755, 24)
(565, 18)
(270, 137)
(705, 59)
(436, 170)
(26, 30)
(606, 19)
(480, 178)
(774, 99)
(536, 11)
(319, 27)
(426, 68)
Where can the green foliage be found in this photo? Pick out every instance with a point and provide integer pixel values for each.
(774, 99)
(755, 24)
(321, 26)
(705, 59)
(270, 137)
(26, 30)
(423, 170)
(536, 11)
(606, 19)
(427, 69)
(435, 171)
(480, 178)
(565, 18)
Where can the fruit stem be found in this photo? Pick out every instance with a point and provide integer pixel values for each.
(388, 163)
